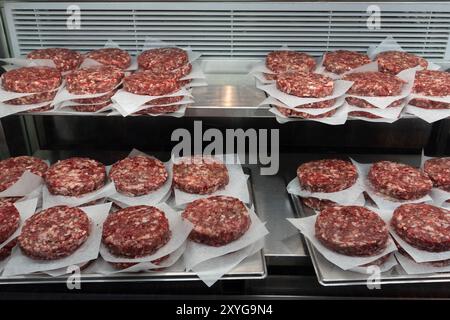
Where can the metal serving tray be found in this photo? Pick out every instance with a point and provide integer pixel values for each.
(329, 274)
(253, 267)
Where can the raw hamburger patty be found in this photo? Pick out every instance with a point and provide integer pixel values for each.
(305, 84)
(75, 177)
(162, 60)
(91, 107)
(318, 204)
(399, 181)
(423, 226)
(5, 252)
(318, 105)
(429, 104)
(159, 110)
(111, 57)
(64, 59)
(289, 61)
(218, 220)
(136, 231)
(47, 107)
(374, 84)
(31, 80)
(361, 103)
(105, 98)
(94, 80)
(432, 83)
(341, 61)
(297, 114)
(328, 175)
(34, 98)
(363, 114)
(351, 230)
(54, 233)
(9, 221)
(150, 84)
(397, 61)
(199, 175)
(11, 169)
(438, 170)
(138, 175)
(126, 265)
(165, 101)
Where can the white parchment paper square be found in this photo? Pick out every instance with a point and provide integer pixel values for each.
(210, 271)
(306, 227)
(196, 252)
(412, 267)
(429, 115)
(26, 184)
(439, 196)
(180, 229)
(387, 266)
(21, 264)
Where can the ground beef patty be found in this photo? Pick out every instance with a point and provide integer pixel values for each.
(361, 103)
(399, 181)
(159, 110)
(438, 170)
(136, 231)
(31, 80)
(328, 175)
(351, 230)
(5, 252)
(363, 114)
(311, 85)
(318, 204)
(9, 221)
(45, 108)
(111, 57)
(218, 220)
(199, 175)
(64, 59)
(105, 98)
(318, 105)
(11, 169)
(91, 107)
(163, 60)
(92, 80)
(164, 101)
(150, 84)
(126, 265)
(75, 177)
(396, 61)
(423, 226)
(54, 233)
(341, 61)
(374, 84)
(432, 83)
(288, 61)
(297, 114)
(429, 104)
(138, 175)
(33, 99)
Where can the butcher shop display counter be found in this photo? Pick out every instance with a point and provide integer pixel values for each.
(249, 150)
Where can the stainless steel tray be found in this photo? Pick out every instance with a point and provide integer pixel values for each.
(253, 267)
(330, 275)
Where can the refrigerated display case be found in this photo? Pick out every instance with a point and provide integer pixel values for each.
(232, 37)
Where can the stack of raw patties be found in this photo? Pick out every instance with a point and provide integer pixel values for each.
(296, 91)
(162, 79)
